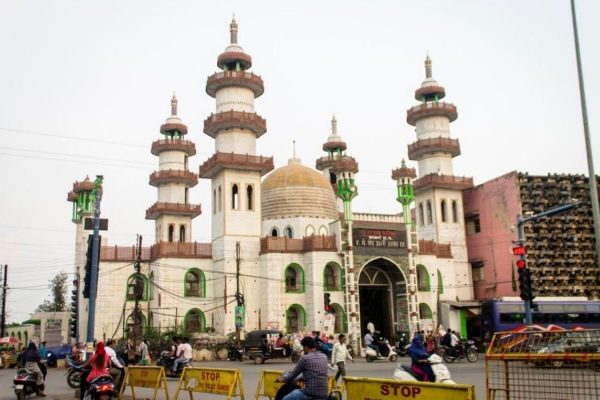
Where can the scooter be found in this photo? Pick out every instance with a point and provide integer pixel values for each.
(166, 361)
(101, 388)
(25, 383)
(371, 355)
(402, 345)
(73, 374)
(404, 372)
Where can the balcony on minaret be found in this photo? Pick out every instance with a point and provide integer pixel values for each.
(245, 162)
(84, 186)
(243, 79)
(233, 57)
(162, 177)
(232, 120)
(423, 147)
(345, 164)
(187, 210)
(431, 109)
(185, 146)
(443, 182)
(307, 244)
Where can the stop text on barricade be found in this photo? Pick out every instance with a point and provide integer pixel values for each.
(384, 389)
(145, 377)
(227, 382)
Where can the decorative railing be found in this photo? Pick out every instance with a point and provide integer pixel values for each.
(234, 78)
(429, 247)
(235, 119)
(429, 109)
(85, 186)
(192, 210)
(173, 176)
(173, 145)
(123, 253)
(234, 56)
(440, 144)
(443, 181)
(272, 244)
(240, 161)
(180, 250)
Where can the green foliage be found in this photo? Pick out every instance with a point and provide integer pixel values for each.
(58, 288)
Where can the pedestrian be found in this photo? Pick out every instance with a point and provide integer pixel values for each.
(145, 358)
(339, 356)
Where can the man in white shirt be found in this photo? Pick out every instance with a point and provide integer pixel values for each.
(339, 356)
(116, 368)
(184, 353)
(453, 339)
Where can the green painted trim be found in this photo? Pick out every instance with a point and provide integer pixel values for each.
(151, 286)
(202, 319)
(339, 310)
(426, 310)
(301, 315)
(440, 280)
(299, 270)
(422, 271)
(463, 323)
(340, 273)
(145, 279)
(126, 324)
(201, 278)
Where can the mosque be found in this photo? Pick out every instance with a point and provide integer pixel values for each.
(287, 250)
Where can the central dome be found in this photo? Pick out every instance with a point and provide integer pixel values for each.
(297, 191)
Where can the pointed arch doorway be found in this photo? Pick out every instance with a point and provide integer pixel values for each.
(383, 297)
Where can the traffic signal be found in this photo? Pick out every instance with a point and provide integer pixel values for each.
(327, 302)
(524, 280)
(88, 268)
(74, 321)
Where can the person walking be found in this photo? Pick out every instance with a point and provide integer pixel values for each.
(145, 358)
(339, 356)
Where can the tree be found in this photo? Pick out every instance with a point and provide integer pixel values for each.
(58, 288)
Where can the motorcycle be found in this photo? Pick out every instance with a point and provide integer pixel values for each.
(235, 353)
(167, 359)
(389, 355)
(101, 388)
(73, 374)
(440, 370)
(25, 383)
(466, 350)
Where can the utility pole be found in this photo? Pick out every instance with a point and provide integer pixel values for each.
(239, 310)
(138, 291)
(97, 193)
(3, 321)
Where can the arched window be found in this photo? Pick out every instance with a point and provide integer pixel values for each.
(425, 311)
(26, 337)
(289, 233)
(454, 211)
(235, 197)
(220, 199)
(294, 279)
(135, 324)
(332, 277)
(182, 233)
(194, 321)
(421, 215)
(274, 232)
(295, 318)
(341, 322)
(137, 287)
(151, 288)
(443, 210)
(171, 232)
(429, 213)
(422, 279)
(19, 336)
(309, 231)
(440, 282)
(194, 283)
(249, 197)
(322, 230)
(214, 201)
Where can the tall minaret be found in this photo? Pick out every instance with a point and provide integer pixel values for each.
(235, 173)
(172, 211)
(438, 193)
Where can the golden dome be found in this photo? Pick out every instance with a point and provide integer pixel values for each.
(295, 190)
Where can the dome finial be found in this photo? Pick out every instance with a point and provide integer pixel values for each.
(174, 104)
(333, 125)
(233, 30)
(403, 163)
(428, 73)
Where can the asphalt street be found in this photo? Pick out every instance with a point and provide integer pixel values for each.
(56, 385)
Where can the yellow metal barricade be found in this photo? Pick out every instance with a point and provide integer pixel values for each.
(268, 385)
(226, 382)
(384, 389)
(145, 377)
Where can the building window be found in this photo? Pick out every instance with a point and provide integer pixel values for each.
(194, 283)
(294, 279)
(151, 288)
(182, 233)
(423, 279)
(454, 211)
(289, 233)
(220, 199)
(250, 197)
(194, 321)
(421, 215)
(440, 282)
(443, 210)
(274, 232)
(425, 311)
(137, 287)
(472, 224)
(309, 231)
(429, 213)
(323, 230)
(214, 201)
(171, 232)
(235, 197)
(186, 195)
(477, 270)
(332, 277)
(295, 318)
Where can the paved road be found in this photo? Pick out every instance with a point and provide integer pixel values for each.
(462, 372)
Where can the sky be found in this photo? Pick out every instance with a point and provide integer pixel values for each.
(85, 86)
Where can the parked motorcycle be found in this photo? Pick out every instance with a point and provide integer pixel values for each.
(101, 388)
(466, 350)
(388, 354)
(25, 383)
(73, 374)
(166, 361)
(440, 370)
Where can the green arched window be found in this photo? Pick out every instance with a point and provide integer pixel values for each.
(423, 279)
(151, 288)
(425, 311)
(295, 318)
(194, 283)
(333, 277)
(440, 282)
(135, 324)
(341, 320)
(194, 321)
(137, 286)
(294, 278)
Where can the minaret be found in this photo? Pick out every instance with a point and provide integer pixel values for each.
(172, 211)
(235, 172)
(340, 169)
(438, 193)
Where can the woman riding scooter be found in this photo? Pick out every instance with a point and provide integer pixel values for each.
(420, 365)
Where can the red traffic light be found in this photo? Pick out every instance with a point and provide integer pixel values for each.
(519, 250)
(521, 263)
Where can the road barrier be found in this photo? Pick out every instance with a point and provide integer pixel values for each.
(383, 389)
(267, 384)
(145, 377)
(227, 382)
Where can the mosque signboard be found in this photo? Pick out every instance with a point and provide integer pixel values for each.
(379, 239)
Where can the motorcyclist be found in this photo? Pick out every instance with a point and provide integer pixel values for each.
(184, 354)
(97, 365)
(420, 365)
(382, 347)
(31, 358)
(116, 369)
(369, 342)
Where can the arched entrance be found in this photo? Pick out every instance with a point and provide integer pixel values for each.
(383, 297)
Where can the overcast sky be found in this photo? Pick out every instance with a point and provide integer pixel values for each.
(85, 86)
